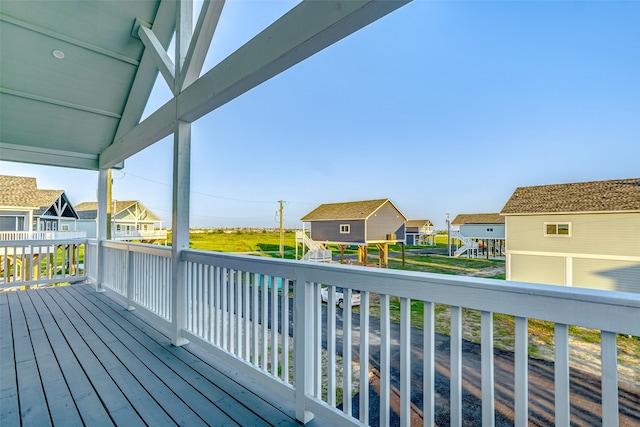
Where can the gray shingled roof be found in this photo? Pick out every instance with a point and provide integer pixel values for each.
(21, 191)
(481, 218)
(418, 223)
(346, 210)
(593, 196)
(89, 210)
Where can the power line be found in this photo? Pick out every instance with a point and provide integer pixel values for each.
(197, 192)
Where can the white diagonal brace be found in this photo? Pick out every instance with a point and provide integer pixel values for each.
(305, 30)
(159, 55)
(202, 35)
(163, 26)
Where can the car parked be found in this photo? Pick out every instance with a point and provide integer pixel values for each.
(355, 296)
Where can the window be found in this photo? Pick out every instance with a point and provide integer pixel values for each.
(118, 227)
(557, 229)
(64, 227)
(490, 230)
(345, 228)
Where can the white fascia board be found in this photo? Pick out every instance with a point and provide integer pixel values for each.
(45, 156)
(305, 30)
(199, 46)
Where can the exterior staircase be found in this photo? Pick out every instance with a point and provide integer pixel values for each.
(467, 244)
(317, 252)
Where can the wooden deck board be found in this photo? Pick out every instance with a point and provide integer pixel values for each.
(9, 409)
(232, 393)
(33, 404)
(111, 396)
(108, 366)
(89, 405)
(62, 409)
(158, 379)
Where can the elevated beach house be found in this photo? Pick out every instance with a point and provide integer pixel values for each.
(155, 335)
(420, 232)
(130, 221)
(478, 234)
(369, 222)
(584, 234)
(30, 213)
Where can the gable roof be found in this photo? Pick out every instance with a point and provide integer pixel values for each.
(89, 210)
(481, 218)
(23, 192)
(419, 223)
(347, 210)
(593, 196)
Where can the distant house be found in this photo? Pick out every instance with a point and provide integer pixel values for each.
(584, 234)
(131, 221)
(420, 232)
(361, 224)
(479, 233)
(26, 210)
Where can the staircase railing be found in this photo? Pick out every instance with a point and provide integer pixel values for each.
(467, 243)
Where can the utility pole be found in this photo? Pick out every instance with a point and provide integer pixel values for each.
(448, 236)
(281, 230)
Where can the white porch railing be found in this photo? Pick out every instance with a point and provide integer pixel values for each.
(40, 262)
(42, 235)
(266, 315)
(139, 234)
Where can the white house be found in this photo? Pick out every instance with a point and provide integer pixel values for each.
(131, 220)
(584, 234)
(420, 232)
(481, 232)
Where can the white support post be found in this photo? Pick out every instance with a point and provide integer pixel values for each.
(101, 233)
(304, 302)
(180, 227)
(181, 182)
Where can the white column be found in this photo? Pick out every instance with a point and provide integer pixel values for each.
(180, 226)
(101, 232)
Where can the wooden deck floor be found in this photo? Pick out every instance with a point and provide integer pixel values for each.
(71, 356)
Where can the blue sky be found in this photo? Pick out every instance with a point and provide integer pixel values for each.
(441, 106)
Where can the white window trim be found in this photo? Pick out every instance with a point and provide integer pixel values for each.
(345, 228)
(544, 229)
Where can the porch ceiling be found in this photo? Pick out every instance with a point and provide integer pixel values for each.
(67, 71)
(74, 82)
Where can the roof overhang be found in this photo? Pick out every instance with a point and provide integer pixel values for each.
(75, 76)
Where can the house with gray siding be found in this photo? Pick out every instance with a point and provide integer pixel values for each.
(26, 209)
(584, 234)
(363, 223)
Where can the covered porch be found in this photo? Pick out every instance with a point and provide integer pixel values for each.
(163, 335)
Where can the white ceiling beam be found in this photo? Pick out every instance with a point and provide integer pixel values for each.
(152, 129)
(158, 54)
(305, 30)
(201, 40)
